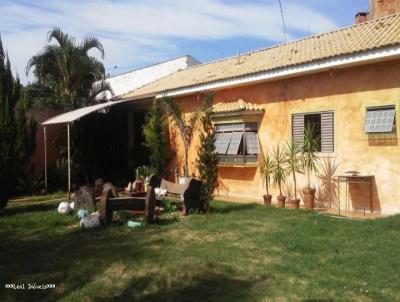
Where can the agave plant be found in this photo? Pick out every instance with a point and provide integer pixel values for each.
(267, 169)
(280, 170)
(310, 148)
(294, 162)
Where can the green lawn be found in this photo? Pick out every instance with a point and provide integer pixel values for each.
(236, 253)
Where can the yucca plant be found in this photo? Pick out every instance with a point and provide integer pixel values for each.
(294, 162)
(144, 173)
(310, 149)
(310, 161)
(280, 171)
(267, 169)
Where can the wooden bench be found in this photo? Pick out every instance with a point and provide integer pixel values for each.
(188, 194)
(142, 202)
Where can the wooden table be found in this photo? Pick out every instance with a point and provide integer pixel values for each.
(348, 179)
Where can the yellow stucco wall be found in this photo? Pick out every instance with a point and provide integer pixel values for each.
(348, 92)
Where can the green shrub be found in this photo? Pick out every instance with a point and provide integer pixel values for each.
(168, 206)
(207, 161)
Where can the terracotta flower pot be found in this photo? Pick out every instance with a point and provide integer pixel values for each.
(293, 203)
(267, 199)
(281, 201)
(309, 197)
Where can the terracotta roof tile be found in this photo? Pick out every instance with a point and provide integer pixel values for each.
(358, 38)
(236, 106)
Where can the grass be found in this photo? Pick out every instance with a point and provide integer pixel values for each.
(236, 253)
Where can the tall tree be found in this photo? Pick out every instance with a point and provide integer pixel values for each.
(67, 70)
(156, 138)
(16, 133)
(207, 161)
(186, 124)
(68, 77)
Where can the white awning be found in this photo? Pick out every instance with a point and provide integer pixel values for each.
(74, 115)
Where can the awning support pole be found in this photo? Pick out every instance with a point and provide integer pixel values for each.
(45, 158)
(69, 164)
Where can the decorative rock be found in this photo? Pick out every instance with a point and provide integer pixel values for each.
(64, 208)
(82, 213)
(91, 221)
(84, 199)
(133, 224)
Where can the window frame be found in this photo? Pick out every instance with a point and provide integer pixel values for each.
(380, 108)
(327, 110)
(241, 158)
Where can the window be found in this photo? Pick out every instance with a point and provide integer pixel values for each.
(380, 120)
(237, 143)
(323, 123)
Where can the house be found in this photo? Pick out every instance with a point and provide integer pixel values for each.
(120, 84)
(345, 82)
(126, 82)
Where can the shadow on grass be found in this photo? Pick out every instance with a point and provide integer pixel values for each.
(36, 207)
(166, 221)
(68, 260)
(203, 286)
(231, 207)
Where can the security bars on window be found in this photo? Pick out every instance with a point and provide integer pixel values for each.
(237, 143)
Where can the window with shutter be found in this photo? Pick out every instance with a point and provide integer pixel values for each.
(380, 120)
(322, 122)
(327, 133)
(222, 142)
(298, 129)
(237, 143)
(252, 146)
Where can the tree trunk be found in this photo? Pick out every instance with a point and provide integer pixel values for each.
(186, 170)
(295, 185)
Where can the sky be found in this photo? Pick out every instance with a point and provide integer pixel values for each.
(139, 33)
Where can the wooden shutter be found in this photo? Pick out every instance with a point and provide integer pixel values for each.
(222, 141)
(327, 132)
(298, 129)
(235, 143)
(252, 146)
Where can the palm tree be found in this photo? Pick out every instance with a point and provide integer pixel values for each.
(185, 124)
(67, 69)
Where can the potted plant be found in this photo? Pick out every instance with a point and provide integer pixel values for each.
(279, 173)
(294, 165)
(143, 174)
(310, 160)
(266, 169)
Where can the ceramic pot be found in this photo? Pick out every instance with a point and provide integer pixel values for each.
(281, 201)
(309, 197)
(267, 199)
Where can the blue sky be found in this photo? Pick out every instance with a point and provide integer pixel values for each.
(138, 33)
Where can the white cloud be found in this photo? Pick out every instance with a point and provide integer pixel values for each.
(140, 32)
